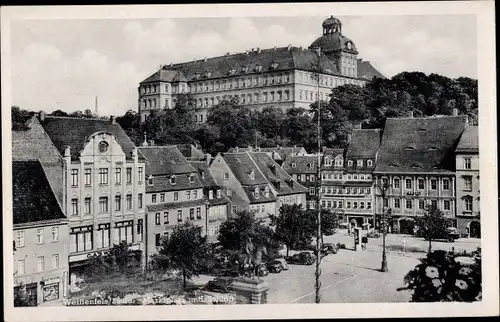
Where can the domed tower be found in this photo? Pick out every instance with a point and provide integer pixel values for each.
(337, 47)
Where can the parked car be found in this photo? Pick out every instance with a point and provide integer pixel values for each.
(274, 267)
(302, 258)
(373, 234)
(329, 248)
(283, 263)
(219, 284)
(450, 234)
(262, 270)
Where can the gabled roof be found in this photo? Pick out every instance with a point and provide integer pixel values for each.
(303, 164)
(364, 143)
(420, 144)
(205, 174)
(165, 75)
(286, 185)
(241, 164)
(469, 141)
(73, 132)
(249, 190)
(367, 71)
(32, 197)
(161, 183)
(282, 58)
(284, 151)
(163, 160)
(238, 149)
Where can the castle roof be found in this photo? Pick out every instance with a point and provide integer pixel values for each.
(469, 141)
(364, 143)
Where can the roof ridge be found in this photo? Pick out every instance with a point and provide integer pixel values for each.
(76, 118)
(431, 117)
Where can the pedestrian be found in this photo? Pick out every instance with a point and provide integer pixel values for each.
(364, 241)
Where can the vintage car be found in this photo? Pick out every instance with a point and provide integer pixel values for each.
(274, 267)
(328, 248)
(219, 284)
(302, 258)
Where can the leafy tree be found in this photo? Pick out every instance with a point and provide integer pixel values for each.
(185, 250)
(58, 113)
(21, 297)
(268, 122)
(88, 114)
(290, 226)
(441, 277)
(19, 117)
(234, 233)
(329, 222)
(432, 224)
(77, 114)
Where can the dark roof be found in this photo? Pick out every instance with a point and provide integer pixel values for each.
(238, 149)
(286, 58)
(165, 75)
(73, 132)
(162, 183)
(333, 152)
(32, 197)
(331, 21)
(249, 190)
(174, 205)
(469, 141)
(265, 164)
(205, 174)
(367, 71)
(241, 164)
(301, 164)
(364, 143)
(333, 42)
(162, 160)
(284, 151)
(189, 151)
(419, 144)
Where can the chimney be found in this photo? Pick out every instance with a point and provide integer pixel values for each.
(277, 184)
(67, 151)
(112, 119)
(455, 112)
(273, 168)
(151, 142)
(411, 114)
(208, 158)
(205, 59)
(289, 47)
(323, 149)
(360, 125)
(42, 115)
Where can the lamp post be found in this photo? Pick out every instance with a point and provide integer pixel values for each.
(383, 190)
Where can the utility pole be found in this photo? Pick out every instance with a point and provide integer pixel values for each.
(96, 105)
(383, 187)
(317, 285)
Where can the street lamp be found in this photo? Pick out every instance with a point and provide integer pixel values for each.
(383, 190)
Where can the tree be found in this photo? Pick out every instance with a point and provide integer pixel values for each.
(289, 226)
(58, 113)
(432, 224)
(329, 222)
(21, 297)
(234, 233)
(88, 114)
(19, 117)
(185, 250)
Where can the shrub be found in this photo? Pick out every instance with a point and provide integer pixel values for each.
(441, 278)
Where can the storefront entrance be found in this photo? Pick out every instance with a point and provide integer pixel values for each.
(475, 229)
(406, 226)
(32, 292)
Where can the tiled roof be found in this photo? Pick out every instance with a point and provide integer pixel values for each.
(364, 143)
(419, 144)
(469, 141)
(284, 151)
(73, 132)
(301, 164)
(333, 42)
(333, 152)
(205, 174)
(175, 205)
(241, 164)
(367, 71)
(286, 58)
(32, 197)
(238, 149)
(265, 164)
(249, 190)
(162, 183)
(170, 76)
(164, 160)
(218, 201)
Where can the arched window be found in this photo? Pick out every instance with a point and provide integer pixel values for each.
(172, 180)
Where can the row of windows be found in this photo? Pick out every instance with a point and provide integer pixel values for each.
(173, 179)
(272, 96)
(338, 204)
(240, 83)
(359, 163)
(104, 204)
(82, 238)
(409, 203)
(408, 183)
(348, 71)
(20, 234)
(189, 195)
(350, 60)
(166, 216)
(340, 176)
(104, 175)
(40, 264)
(339, 162)
(155, 88)
(348, 190)
(312, 95)
(330, 81)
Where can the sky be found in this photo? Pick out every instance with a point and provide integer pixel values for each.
(65, 64)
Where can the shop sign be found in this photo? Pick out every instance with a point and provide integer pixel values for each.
(53, 279)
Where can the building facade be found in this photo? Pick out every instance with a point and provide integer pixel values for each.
(174, 194)
(281, 76)
(104, 188)
(244, 184)
(303, 170)
(217, 202)
(332, 174)
(416, 160)
(41, 236)
(467, 183)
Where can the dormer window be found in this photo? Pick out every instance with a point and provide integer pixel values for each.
(416, 166)
(208, 73)
(266, 192)
(258, 68)
(409, 148)
(150, 181)
(422, 130)
(359, 163)
(294, 164)
(191, 178)
(252, 175)
(393, 165)
(197, 75)
(369, 163)
(219, 193)
(256, 193)
(274, 65)
(210, 194)
(244, 69)
(202, 174)
(172, 180)
(349, 163)
(432, 148)
(232, 71)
